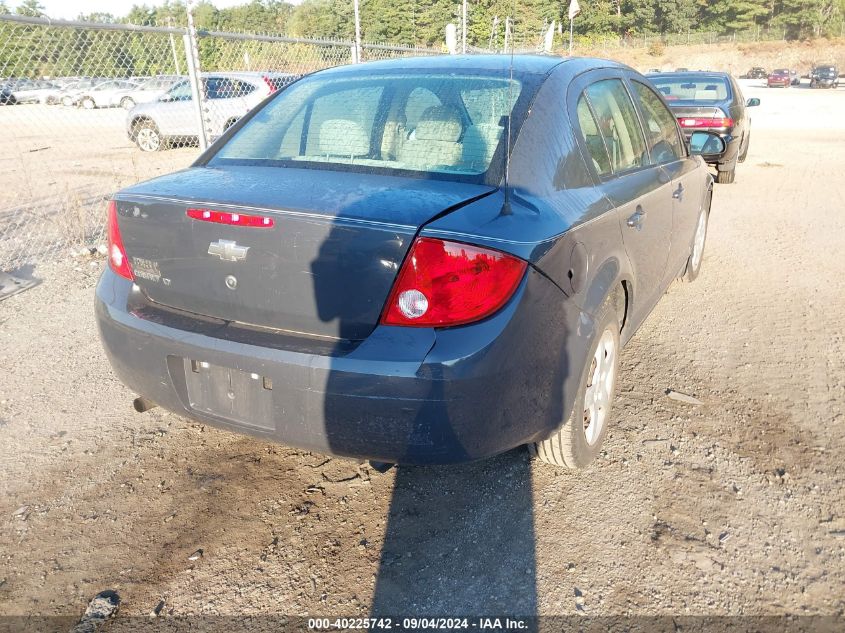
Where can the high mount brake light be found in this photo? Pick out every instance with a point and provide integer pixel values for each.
(118, 260)
(232, 219)
(444, 283)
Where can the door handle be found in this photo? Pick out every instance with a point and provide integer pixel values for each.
(678, 194)
(636, 220)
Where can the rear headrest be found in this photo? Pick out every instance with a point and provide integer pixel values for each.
(342, 137)
(439, 123)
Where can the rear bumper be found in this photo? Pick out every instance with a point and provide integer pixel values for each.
(405, 395)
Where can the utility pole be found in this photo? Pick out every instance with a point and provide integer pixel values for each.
(464, 47)
(357, 59)
(173, 46)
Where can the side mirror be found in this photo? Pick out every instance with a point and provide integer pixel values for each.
(706, 144)
(753, 102)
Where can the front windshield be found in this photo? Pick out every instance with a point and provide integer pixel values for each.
(428, 124)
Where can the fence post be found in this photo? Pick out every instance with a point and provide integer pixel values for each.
(198, 94)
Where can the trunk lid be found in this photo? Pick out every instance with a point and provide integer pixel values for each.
(324, 268)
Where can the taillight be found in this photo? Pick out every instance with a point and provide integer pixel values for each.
(706, 122)
(447, 283)
(117, 254)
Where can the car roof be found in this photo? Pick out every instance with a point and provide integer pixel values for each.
(694, 74)
(520, 64)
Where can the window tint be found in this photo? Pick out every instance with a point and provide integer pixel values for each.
(618, 124)
(661, 129)
(592, 137)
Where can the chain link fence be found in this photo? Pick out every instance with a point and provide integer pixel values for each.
(89, 108)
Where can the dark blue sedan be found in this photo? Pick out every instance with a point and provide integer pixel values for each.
(414, 261)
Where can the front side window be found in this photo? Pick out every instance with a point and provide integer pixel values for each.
(618, 124)
(180, 92)
(661, 129)
(424, 123)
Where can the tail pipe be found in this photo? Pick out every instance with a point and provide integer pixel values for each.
(142, 405)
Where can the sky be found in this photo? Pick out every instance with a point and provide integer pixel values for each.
(70, 9)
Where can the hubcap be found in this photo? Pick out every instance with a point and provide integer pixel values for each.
(148, 140)
(600, 385)
(698, 245)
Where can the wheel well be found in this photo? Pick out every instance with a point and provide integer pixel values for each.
(623, 303)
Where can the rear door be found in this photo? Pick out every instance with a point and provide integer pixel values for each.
(668, 150)
(639, 190)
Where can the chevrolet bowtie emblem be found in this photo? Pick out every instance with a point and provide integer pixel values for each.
(228, 250)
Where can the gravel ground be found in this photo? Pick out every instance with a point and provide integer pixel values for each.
(735, 506)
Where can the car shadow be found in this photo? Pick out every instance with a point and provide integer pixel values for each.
(459, 539)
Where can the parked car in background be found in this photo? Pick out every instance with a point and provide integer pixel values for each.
(352, 268)
(106, 94)
(33, 90)
(824, 76)
(779, 78)
(757, 72)
(712, 102)
(7, 97)
(172, 117)
(69, 95)
(149, 90)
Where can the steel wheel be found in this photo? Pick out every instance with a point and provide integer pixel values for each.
(148, 139)
(600, 385)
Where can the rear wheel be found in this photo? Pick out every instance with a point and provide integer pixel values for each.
(88, 103)
(726, 177)
(744, 153)
(67, 101)
(698, 241)
(579, 440)
(127, 103)
(148, 138)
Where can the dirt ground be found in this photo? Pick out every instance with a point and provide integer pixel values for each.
(732, 507)
(733, 58)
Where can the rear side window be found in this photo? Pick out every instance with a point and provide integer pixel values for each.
(661, 130)
(618, 124)
(592, 137)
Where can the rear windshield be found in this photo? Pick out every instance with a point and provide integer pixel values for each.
(692, 88)
(429, 125)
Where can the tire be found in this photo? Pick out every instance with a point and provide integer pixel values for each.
(726, 177)
(575, 444)
(744, 154)
(699, 239)
(127, 103)
(88, 103)
(148, 138)
(67, 101)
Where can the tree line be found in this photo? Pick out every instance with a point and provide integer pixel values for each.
(422, 22)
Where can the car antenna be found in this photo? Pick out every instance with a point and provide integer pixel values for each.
(506, 205)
